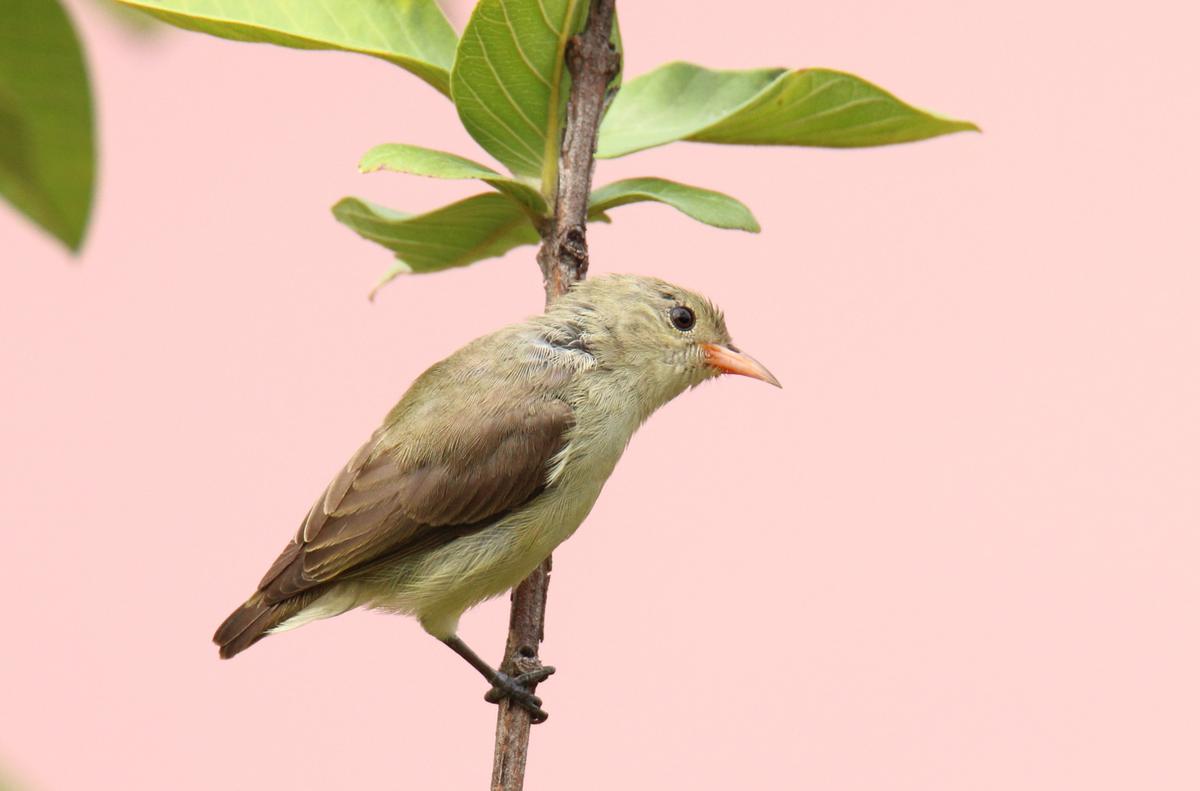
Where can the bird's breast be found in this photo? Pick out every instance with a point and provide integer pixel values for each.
(577, 475)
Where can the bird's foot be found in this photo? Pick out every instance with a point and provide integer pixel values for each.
(516, 689)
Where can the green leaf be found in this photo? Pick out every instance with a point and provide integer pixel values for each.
(805, 107)
(47, 152)
(412, 34)
(419, 161)
(712, 208)
(483, 226)
(510, 81)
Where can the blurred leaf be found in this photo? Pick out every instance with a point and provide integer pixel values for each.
(16, 160)
(712, 208)
(412, 34)
(805, 107)
(47, 154)
(510, 81)
(419, 161)
(7, 784)
(483, 226)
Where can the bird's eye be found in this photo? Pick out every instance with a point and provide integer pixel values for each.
(683, 318)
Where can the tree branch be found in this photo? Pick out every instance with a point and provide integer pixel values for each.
(563, 258)
(592, 63)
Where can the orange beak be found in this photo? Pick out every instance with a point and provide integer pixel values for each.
(728, 360)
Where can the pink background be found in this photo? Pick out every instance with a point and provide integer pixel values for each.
(958, 551)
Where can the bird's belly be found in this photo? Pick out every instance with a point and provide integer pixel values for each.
(439, 585)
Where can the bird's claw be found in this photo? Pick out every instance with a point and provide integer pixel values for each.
(516, 689)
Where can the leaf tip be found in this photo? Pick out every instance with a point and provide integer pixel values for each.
(956, 124)
(370, 162)
(71, 237)
(339, 208)
(72, 240)
(398, 268)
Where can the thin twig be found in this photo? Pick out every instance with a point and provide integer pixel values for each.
(592, 63)
(563, 258)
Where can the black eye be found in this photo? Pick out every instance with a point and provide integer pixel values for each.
(683, 318)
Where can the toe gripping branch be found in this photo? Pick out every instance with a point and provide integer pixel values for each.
(518, 688)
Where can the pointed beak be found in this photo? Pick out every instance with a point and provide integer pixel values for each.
(728, 360)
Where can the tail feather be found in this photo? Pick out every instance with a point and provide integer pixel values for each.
(252, 621)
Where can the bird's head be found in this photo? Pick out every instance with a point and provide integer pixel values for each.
(666, 337)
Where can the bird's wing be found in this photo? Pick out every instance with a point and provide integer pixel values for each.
(424, 478)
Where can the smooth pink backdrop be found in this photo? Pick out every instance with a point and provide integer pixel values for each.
(958, 551)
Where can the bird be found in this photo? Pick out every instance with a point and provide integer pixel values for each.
(491, 459)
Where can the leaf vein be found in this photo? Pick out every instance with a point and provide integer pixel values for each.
(507, 128)
(517, 43)
(504, 90)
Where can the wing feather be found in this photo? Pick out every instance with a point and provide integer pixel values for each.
(424, 478)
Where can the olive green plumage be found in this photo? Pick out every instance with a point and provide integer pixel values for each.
(492, 458)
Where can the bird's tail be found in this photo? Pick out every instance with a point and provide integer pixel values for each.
(252, 621)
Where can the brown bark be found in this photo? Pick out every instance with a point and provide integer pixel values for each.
(563, 258)
(592, 63)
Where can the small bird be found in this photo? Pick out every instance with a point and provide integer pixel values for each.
(492, 458)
